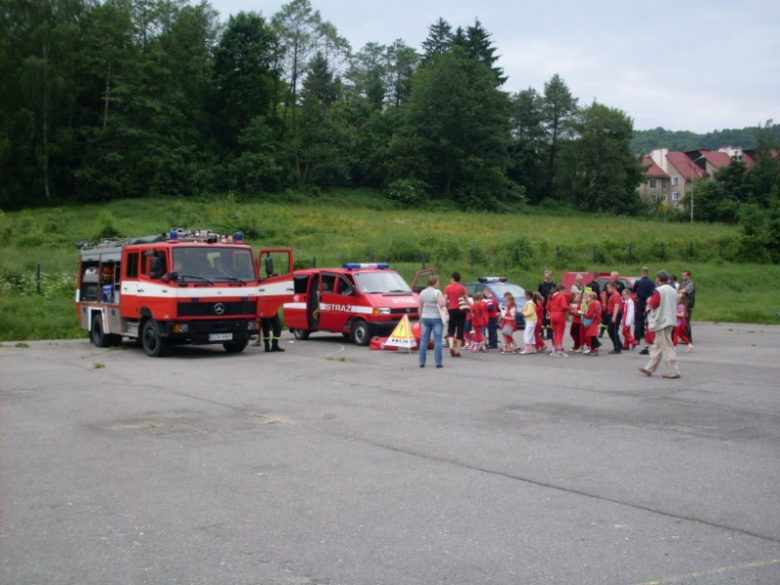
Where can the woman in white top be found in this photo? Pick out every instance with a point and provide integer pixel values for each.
(431, 305)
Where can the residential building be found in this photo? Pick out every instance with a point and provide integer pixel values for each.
(682, 170)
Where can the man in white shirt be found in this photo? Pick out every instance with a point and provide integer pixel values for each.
(662, 319)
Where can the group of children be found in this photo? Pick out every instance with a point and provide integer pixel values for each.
(586, 315)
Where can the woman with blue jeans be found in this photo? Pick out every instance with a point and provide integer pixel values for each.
(431, 303)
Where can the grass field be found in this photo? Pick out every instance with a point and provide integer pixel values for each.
(360, 226)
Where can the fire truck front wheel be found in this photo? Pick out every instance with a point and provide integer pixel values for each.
(153, 344)
(236, 347)
(360, 333)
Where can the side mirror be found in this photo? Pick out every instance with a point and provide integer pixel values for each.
(269, 265)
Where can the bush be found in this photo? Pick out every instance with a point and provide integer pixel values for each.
(407, 192)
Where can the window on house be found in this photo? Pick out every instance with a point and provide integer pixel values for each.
(653, 183)
(664, 183)
(675, 195)
(675, 181)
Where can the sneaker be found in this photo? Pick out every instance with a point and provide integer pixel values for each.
(645, 351)
(690, 348)
(555, 354)
(563, 354)
(594, 353)
(585, 351)
(484, 349)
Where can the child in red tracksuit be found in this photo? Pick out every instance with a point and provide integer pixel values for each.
(509, 324)
(591, 320)
(628, 320)
(479, 319)
(539, 302)
(681, 325)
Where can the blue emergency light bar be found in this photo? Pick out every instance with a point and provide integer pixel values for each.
(359, 265)
(492, 279)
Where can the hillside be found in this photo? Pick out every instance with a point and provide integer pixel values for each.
(38, 259)
(682, 140)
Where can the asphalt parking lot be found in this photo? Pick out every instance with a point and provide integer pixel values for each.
(333, 464)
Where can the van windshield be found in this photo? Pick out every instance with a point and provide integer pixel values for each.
(381, 282)
(213, 264)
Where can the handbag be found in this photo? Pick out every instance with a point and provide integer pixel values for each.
(586, 321)
(443, 312)
(463, 303)
(507, 330)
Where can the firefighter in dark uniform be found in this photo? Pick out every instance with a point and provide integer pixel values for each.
(546, 289)
(271, 326)
(272, 332)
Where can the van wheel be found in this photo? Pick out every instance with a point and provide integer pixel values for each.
(300, 334)
(360, 333)
(235, 347)
(153, 344)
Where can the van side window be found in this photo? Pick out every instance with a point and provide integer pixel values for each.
(328, 283)
(345, 287)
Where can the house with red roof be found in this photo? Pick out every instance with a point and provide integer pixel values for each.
(655, 187)
(682, 170)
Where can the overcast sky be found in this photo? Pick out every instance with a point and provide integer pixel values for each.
(698, 66)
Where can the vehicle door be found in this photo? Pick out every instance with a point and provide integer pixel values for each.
(131, 265)
(334, 311)
(420, 282)
(275, 273)
(298, 311)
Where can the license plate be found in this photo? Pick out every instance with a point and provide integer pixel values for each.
(220, 336)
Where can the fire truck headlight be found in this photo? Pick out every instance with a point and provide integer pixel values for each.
(252, 326)
(181, 328)
(381, 310)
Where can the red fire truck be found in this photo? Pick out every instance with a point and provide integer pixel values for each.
(356, 300)
(188, 286)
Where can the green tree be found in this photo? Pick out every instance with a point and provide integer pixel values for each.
(475, 42)
(439, 39)
(302, 33)
(152, 143)
(323, 138)
(245, 76)
(527, 146)
(40, 41)
(607, 172)
(455, 131)
(559, 109)
(402, 62)
(368, 75)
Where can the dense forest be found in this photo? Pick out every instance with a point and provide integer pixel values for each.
(134, 98)
(685, 141)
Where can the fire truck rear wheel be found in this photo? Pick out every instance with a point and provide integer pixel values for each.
(360, 334)
(236, 347)
(99, 338)
(153, 344)
(300, 334)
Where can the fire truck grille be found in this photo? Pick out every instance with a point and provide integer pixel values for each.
(407, 311)
(218, 309)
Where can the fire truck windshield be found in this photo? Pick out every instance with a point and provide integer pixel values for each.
(213, 264)
(381, 282)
